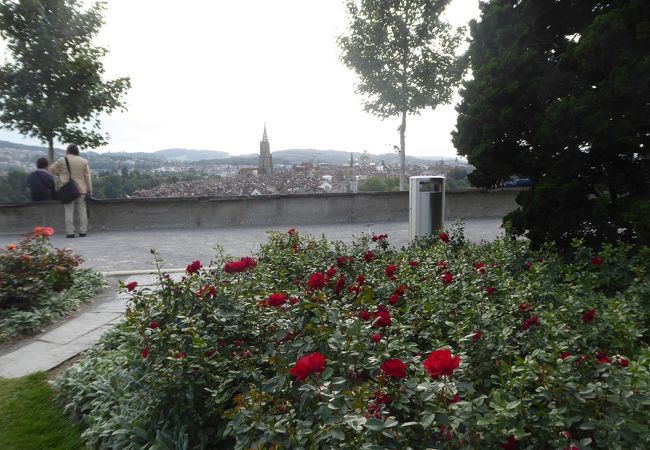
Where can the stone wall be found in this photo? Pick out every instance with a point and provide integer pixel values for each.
(217, 212)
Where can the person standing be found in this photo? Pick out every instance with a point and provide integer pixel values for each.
(41, 182)
(79, 172)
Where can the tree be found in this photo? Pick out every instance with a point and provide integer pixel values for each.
(405, 56)
(52, 87)
(560, 94)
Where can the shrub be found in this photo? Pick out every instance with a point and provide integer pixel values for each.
(314, 345)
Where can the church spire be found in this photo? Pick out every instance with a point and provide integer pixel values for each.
(264, 136)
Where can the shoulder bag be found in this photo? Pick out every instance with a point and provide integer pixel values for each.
(69, 192)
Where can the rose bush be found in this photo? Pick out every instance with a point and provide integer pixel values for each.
(312, 345)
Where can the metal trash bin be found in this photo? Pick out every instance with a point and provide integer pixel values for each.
(426, 205)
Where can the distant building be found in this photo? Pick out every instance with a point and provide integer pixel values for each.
(266, 161)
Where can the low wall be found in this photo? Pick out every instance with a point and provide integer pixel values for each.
(217, 212)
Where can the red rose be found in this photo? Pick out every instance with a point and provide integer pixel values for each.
(132, 285)
(441, 362)
(340, 284)
(382, 319)
(364, 314)
(239, 342)
(565, 355)
(588, 316)
(525, 307)
(43, 231)
(145, 353)
(567, 435)
(360, 280)
(596, 260)
(477, 335)
(379, 237)
(394, 368)
(293, 300)
(193, 267)
(317, 281)
(375, 338)
(393, 299)
(234, 267)
(308, 364)
(447, 277)
(181, 355)
(331, 272)
(209, 353)
(602, 358)
(444, 237)
(441, 264)
(154, 324)
(532, 321)
(511, 444)
(369, 256)
(277, 299)
(291, 231)
(491, 290)
(480, 267)
(342, 261)
(207, 291)
(623, 362)
(528, 265)
(390, 271)
(248, 262)
(413, 263)
(400, 290)
(383, 399)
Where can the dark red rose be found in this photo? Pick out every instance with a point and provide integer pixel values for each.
(394, 367)
(154, 324)
(565, 355)
(342, 261)
(375, 338)
(360, 280)
(379, 237)
(477, 335)
(181, 355)
(145, 353)
(393, 299)
(209, 353)
(293, 300)
(567, 435)
(308, 364)
(382, 308)
(248, 262)
(491, 290)
(623, 362)
(340, 284)
(382, 398)
(596, 260)
(277, 299)
(447, 277)
(207, 291)
(291, 231)
(390, 271)
(441, 264)
(588, 316)
(525, 307)
(441, 362)
(317, 281)
(455, 398)
(331, 272)
(511, 444)
(444, 237)
(413, 263)
(193, 267)
(532, 321)
(369, 256)
(382, 319)
(364, 314)
(400, 290)
(602, 358)
(239, 342)
(132, 285)
(528, 265)
(480, 267)
(234, 267)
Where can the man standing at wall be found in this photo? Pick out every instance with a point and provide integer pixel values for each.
(79, 172)
(41, 182)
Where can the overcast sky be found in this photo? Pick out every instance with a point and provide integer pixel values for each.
(207, 74)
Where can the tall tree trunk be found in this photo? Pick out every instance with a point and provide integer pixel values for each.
(402, 153)
(50, 146)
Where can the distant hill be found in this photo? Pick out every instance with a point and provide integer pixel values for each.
(295, 156)
(185, 154)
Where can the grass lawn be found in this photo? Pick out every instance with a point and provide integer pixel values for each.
(30, 418)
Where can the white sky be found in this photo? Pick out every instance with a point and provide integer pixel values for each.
(207, 74)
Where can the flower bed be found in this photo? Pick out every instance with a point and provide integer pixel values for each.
(39, 284)
(444, 344)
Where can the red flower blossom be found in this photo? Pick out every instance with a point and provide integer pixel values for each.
(491, 290)
(511, 444)
(532, 321)
(477, 335)
(565, 355)
(400, 290)
(277, 299)
(43, 231)
(132, 285)
(364, 314)
(209, 353)
(234, 267)
(528, 265)
(447, 277)
(291, 231)
(180, 355)
(480, 267)
(393, 299)
(340, 284)
(308, 364)
(317, 281)
(382, 319)
(623, 362)
(596, 260)
(390, 271)
(441, 264)
(207, 291)
(342, 261)
(360, 280)
(249, 262)
(588, 316)
(525, 307)
(413, 263)
(331, 272)
(375, 338)
(602, 358)
(193, 267)
(441, 362)
(293, 300)
(444, 237)
(239, 342)
(379, 237)
(154, 324)
(394, 367)
(382, 398)
(567, 435)
(382, 308)
(369, 256)
(145, 353)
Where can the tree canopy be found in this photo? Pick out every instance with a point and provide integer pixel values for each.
(560, 94)
(405, 56)
(52, 86)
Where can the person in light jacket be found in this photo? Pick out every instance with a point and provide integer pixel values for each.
(80, 174)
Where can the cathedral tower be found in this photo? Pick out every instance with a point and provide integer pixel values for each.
(265, 165)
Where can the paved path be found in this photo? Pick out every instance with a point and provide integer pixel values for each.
(126, 256)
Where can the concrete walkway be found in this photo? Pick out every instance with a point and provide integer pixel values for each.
(126, 256)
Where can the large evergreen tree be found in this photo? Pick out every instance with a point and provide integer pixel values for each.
(52, 87)
(560, 94)
(404, 54)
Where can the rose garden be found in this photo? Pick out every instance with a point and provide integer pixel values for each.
(316, 344)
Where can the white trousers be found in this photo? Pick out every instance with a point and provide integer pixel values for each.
(76, 210)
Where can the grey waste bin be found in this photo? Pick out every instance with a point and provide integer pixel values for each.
(426, 205)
